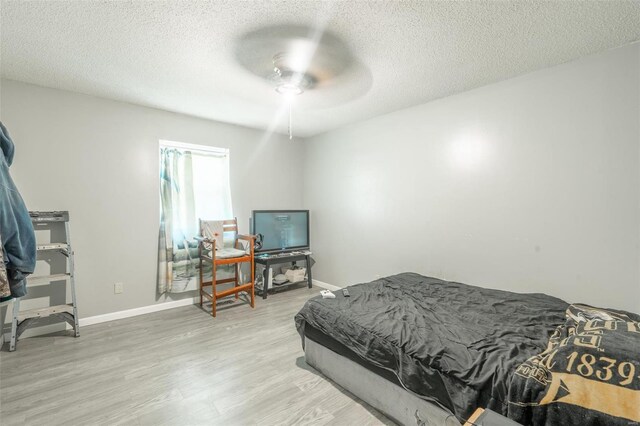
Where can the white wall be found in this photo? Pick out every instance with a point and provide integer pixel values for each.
(530, 185)
(99, 159)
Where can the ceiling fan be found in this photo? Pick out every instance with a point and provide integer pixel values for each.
(294, 59)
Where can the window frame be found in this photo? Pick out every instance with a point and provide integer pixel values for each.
(204, 149)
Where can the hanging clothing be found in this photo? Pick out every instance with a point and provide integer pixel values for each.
(5, 290)
(18, 237)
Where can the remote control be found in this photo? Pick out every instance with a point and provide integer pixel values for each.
(345, 292)
(326, 294)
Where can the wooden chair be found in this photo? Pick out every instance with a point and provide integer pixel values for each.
(211, 248)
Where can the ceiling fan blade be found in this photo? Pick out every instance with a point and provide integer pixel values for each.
(322, 57)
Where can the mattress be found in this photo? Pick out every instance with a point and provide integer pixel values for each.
(330, 343)
(447, 342)
(392, 400)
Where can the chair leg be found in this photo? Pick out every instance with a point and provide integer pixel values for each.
(213, 289)
(253, 284)
(235, 284)
(200, 271)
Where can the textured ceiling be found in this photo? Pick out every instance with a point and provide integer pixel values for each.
(179, 56)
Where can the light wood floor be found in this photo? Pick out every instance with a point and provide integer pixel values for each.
(177, 367)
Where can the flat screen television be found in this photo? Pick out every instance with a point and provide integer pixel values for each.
(281, 230)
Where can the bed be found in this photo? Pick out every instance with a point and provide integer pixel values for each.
(427, 351)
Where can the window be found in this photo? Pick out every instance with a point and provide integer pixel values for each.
(194, 184)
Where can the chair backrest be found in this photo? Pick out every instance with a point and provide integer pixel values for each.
(216, 230)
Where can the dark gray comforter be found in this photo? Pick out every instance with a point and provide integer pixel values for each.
(453, 343)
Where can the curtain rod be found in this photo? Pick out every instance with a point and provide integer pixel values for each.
(193, 147)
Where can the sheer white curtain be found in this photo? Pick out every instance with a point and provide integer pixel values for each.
(211, 186)
(194, 184)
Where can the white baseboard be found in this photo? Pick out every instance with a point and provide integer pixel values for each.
(326, 285)
(97, 319)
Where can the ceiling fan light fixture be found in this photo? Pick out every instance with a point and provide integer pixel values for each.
(294, 59)
(291, 79)
(289, 89)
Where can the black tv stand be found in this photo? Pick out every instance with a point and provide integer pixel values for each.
(271, 259)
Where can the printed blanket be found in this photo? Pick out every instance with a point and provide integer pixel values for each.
(588, 375)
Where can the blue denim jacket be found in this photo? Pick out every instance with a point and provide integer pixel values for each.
(18, 237)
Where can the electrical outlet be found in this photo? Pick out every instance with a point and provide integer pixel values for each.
(118, 288)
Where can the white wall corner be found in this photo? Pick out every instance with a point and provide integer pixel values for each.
(326, 285)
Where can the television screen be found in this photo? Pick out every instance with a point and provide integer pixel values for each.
(282, 230)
